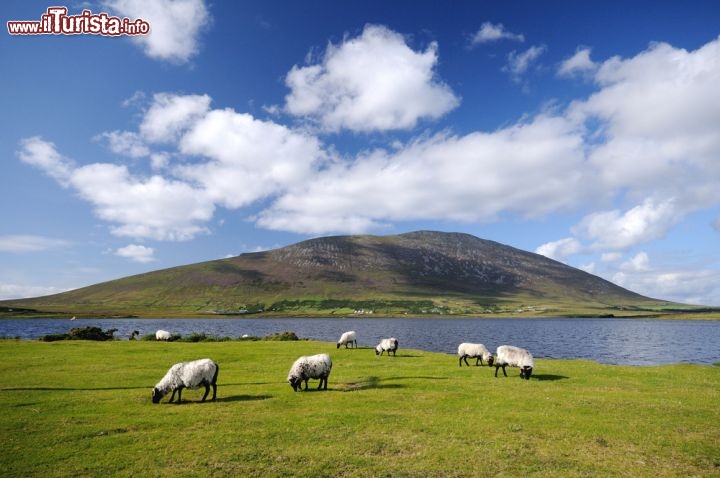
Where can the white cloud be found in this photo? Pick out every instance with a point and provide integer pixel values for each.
(30, 243)
(125, 143)
(42, 154)
(528, 168)
(560, 249)
(231, 160)
(579, 63)
(489, 32)
(170, 115)
(175, 26)
(249, 159)
(373, 82)
(137, 253)
(640, 262)
(659, 113)
(519, 63)
(611, 256)
(152, 207)
(19, 291)
(614, 230)
(652, 141)
(680, 285)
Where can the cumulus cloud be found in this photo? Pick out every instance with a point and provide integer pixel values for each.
(490, 32)
(615, 230)
(519, 63)
(560, 249)
(651, 141)
(42, 154)
(125, 143)
(373, 82)
(658, 114)
(152, 207)
(137, 253)
(231, 160)
(640, 262)
(30, 243)
(170, 115)
(249, 159)
(529, 168)
(697, 286)
(579, 63)
(175, 26)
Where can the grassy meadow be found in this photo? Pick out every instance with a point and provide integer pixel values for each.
(77, 408)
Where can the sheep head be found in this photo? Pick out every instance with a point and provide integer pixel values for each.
(157, 395)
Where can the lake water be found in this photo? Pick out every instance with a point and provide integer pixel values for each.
(611, 341)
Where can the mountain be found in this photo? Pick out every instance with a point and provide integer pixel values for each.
(422, 272)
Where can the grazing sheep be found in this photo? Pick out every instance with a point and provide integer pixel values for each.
(162, 335)
(347, 338)
(387, 345)
(477, 351)
(515, 357)
(203, 372)
(305, 368)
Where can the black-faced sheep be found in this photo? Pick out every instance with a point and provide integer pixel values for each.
(162, 335)
(347, 338)
(203, 372)
(306, 367)
(476, 351)
(387, 345)
(515, 357)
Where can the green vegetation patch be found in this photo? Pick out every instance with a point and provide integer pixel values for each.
(79, 408)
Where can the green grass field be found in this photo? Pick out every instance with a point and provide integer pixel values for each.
(83, 409)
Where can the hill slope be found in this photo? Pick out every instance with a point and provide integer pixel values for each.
(415, 273)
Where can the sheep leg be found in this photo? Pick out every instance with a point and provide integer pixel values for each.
(207, 391)
(172, 397)
(306, 384)
(479, 360)
(214, 385)
(497, 367)
(179, 390)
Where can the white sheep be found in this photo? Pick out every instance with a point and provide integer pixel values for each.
(162, 335)
(477, 351)
(203, 372)
(307, 367)
(515, 357)
(347, 338)
(387, 345)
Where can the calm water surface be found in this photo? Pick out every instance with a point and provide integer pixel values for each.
(611, 341)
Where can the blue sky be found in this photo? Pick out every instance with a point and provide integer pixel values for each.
(585, 131)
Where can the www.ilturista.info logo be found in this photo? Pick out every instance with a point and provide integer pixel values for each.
(57, 22)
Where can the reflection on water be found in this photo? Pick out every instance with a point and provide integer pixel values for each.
(613, 341)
